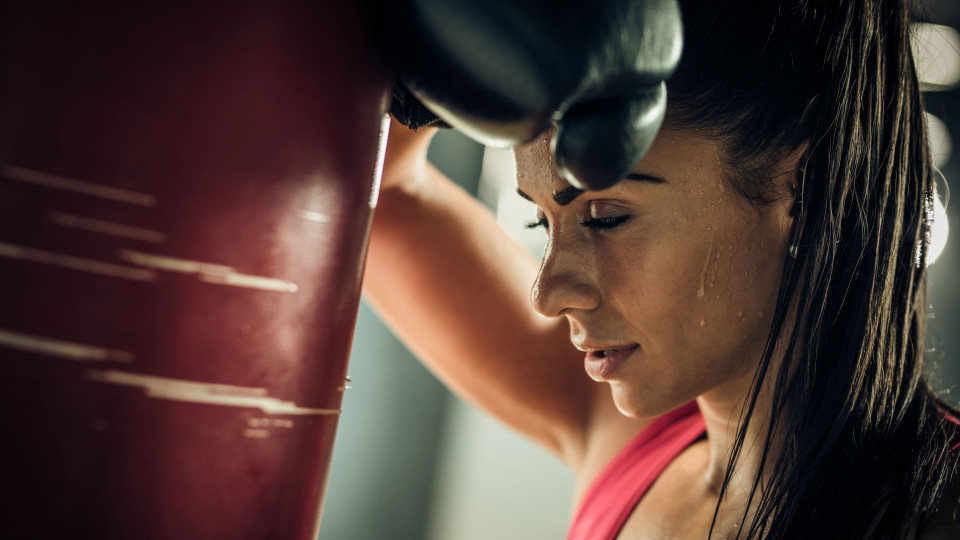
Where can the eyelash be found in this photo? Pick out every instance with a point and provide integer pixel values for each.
(601, 224)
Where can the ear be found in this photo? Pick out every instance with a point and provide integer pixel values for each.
(788, 186)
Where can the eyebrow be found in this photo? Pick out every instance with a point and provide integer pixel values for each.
(566, 195)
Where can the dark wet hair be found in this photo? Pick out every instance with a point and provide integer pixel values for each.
(867, 447)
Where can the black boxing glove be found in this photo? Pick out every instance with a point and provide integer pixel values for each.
(408, 110)
(502, 71)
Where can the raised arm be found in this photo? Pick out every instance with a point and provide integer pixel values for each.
(455, 288)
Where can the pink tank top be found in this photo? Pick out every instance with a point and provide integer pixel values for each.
(622, 483)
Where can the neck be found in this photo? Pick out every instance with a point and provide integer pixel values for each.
(722, 409)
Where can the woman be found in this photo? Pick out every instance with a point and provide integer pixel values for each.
(765, 259)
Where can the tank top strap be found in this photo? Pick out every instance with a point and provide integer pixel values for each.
(621, 484)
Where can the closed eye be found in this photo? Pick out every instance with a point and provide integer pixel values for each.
(604, 223)
(542, 222)
(592, 223)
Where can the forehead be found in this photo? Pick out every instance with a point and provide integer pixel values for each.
(677, 156)
(535, 162)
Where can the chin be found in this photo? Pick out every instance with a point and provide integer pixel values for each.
(634, 403)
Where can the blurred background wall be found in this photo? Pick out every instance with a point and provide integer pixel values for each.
(413, 463)
(939, 65)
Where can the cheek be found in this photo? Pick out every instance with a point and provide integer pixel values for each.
(655, 285)
(702, 291)
(741, 299)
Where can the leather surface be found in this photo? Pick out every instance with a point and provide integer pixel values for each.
(503, 71)
(185, 195)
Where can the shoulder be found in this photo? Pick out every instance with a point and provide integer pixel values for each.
(945, 524)
(940, 530)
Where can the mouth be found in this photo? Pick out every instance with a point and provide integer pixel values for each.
(603, 353)
(602, 348)
(603, 362)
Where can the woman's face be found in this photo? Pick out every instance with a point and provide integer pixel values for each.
(673, 269)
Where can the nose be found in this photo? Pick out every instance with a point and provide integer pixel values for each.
(566, 281)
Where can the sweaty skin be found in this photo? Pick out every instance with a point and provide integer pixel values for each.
(689, 274)
(459, 292)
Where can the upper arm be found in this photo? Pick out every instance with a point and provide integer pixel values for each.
(455, 288)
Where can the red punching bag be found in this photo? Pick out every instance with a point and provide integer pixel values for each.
(185, 194)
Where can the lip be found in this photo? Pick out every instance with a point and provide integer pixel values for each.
(602, 362)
